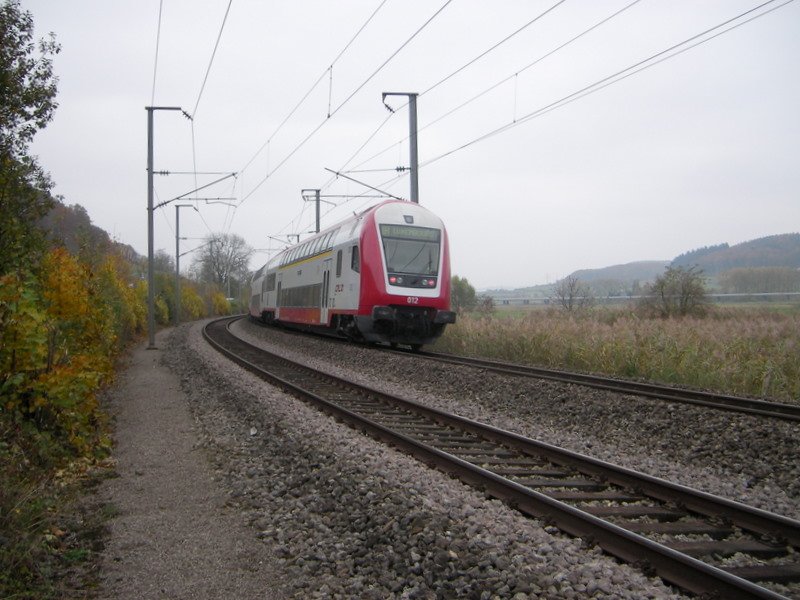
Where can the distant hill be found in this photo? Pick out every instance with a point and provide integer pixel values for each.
(645, 270)
(534, 291)
(782, 251)
(772, 251)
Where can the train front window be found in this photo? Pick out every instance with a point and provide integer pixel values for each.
(411, 251)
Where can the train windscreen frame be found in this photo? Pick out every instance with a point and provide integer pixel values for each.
(411, 250)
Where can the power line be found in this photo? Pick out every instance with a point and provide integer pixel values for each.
(313, 87)
(360, 148)
(364, 184)
(338, 108)
(497, 45)
(353, 39)
(213, 54)
(395, 53)
(638, 67)
(296, 107)
(155, 64)
(597, 86)
(190, 172)
(485, 91)
(529, 65)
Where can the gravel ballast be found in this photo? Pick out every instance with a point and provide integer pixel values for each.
(744, 458)
(348, 517)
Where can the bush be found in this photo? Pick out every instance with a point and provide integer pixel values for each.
(60, 329)
(677, 293)
(220, 304)
(58, 347)
(462, 294)
(192, 306)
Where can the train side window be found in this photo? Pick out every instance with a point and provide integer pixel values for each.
(339, 264)
(331, 241)
(354, 260)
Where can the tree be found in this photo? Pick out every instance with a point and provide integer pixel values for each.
(462, 294)
(163, 262)
(573, 294)
(224, 260)
(27, 85)
(24, 200)
(71, 227)
(27, 103)
(678, 292)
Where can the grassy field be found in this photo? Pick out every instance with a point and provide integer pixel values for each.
(743, 350)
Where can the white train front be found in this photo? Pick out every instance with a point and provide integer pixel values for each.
(381, 276)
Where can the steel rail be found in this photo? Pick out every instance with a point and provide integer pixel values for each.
(673, 566)
(750, 406)
(778, 410)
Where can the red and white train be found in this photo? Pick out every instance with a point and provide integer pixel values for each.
(380, 276)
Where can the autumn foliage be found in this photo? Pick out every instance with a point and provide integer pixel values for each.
(60, 334)
(64, 320)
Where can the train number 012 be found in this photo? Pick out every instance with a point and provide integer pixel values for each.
(412, 300)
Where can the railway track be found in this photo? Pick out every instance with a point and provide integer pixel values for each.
(778, 410)
(683, 535)
(751, 406)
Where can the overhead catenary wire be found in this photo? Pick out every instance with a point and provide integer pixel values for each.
(493, 48)
(490, 88)
(638, 67)
(594, 87)
(211, 60)
(197, 189)
(358, 151)
(327, 71)
(155, 62)
(588, 89)
(388, 60)
(344, 102)
(647, 63)
(194, 171)
(202, 89)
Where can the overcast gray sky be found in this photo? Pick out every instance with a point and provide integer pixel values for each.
(697, 150)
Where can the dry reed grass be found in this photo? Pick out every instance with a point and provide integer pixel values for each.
(736, 351)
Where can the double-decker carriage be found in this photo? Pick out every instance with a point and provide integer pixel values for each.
(380, 276)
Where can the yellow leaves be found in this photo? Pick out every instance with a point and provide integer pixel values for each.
(220, 303)
(59, 335)
(66, 286)
(192, 306)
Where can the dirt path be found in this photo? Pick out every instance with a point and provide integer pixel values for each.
(173, 536)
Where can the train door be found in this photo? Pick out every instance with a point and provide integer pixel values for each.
(278, 298)
(326, 291)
